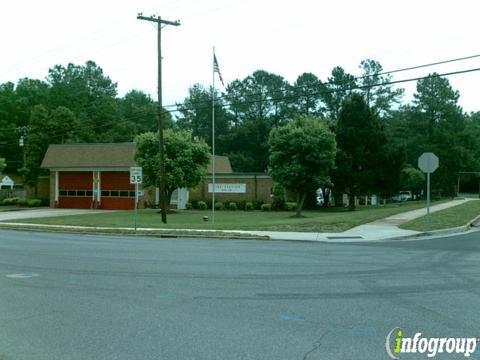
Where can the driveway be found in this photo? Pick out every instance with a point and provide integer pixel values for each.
(43, 212)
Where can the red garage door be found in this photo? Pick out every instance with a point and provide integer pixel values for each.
(75, 190)
(117, 192)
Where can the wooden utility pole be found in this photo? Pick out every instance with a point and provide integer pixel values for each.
(163, 197)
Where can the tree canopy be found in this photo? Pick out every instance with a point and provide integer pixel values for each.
(186, 159)
(302, 156)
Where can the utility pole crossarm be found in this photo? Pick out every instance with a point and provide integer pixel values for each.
(158, 19)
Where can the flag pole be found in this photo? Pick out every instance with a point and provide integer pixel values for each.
(213, 136)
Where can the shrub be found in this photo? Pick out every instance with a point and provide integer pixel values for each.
(278, 198)
(257, 204)
(34, 202)
(232, 205)
(241, 204)
(291, 206)
(209, 203)
(194, 204)
(202, 205)
(218, 205)
(248, 206)
(266, 207)
(10, 201)
(22, 202)
(189, 206)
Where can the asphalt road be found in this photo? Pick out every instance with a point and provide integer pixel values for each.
(99, 297)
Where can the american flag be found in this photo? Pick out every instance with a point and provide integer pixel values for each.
(216, 69)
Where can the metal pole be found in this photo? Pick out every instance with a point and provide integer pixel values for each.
(428, 197)
(136, 204)
(213, 137)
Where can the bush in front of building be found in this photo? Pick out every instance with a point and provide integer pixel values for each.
(202, 205)
(189, 206)
(232, 205)
(10, 201)
(291, 206)
(278, 198)
(257, 204)
(218, 205)
(266, 207)
(248, 206)
(34, 202)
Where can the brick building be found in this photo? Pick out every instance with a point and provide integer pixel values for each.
(95, 176)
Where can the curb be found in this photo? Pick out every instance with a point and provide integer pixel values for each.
(455, 230)
(161, 233)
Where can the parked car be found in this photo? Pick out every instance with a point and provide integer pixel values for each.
(403, 196)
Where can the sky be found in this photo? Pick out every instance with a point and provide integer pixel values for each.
(282, 37)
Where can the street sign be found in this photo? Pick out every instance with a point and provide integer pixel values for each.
(135, 175)
(428, 162)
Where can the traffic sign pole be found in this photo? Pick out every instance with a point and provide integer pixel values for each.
(428, 163)
(136, 204)
(428, 197)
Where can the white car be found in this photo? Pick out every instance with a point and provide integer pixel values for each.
(403, 196)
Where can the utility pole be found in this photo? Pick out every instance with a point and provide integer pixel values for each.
(160, 22)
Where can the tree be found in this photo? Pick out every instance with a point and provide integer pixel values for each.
(308, 92)
(379, 96)
(302, 155)
(435, 122)
(339, 86)
(413, 179)
(45, 126)
(362, 154)
(186, 159)
(3, 164)
(91, 95)
(196, 117)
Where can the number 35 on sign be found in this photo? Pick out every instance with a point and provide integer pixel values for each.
(135, 175)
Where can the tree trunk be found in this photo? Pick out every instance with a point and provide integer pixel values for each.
(300, 201)
(351, 201)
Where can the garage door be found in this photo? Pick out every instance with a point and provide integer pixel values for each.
(75, 189)
(117, 192)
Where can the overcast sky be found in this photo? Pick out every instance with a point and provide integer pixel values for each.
(283, 37)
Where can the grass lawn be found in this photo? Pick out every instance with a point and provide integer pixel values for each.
(448, 218)
(329, 220)
(12, 208)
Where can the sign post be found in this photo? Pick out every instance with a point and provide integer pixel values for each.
(428, 163)
(136, 178)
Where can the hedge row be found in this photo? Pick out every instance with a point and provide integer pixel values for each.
(237, 205)
(22, 202)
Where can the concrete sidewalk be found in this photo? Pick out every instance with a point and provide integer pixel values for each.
(382, 229)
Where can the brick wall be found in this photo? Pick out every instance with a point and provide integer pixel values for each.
(258, 187)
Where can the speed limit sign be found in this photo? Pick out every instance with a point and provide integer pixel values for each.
(135, 175)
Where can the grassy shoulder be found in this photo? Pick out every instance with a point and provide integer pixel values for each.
(328, 220)
(444, 219)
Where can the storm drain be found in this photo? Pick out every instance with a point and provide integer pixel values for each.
(344, 237)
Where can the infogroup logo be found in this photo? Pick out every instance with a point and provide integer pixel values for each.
(397, 343)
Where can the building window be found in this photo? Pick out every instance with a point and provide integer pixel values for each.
(89, 193)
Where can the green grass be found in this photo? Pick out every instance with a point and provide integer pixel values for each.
(330, 220)
(11, 208)
(453, 217)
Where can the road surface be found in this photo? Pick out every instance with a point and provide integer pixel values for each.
(65, 296)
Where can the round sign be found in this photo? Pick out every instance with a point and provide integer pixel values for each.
(428, 162)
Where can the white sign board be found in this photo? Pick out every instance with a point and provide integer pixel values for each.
(7, 181)
(428, 162)
(228, 188)
(135, 175)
